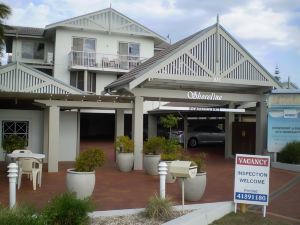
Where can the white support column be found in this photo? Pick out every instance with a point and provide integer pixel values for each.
(185, 132)
(119, 122)
(78, 133)
(46, 134)
(137, 130)
(261, 127)
(53, 139)
(85, 80)
(229, 118)
(152, 126)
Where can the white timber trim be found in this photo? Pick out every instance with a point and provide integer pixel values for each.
(85, 104)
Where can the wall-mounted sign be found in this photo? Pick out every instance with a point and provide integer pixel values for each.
(283, 127)
(207, 96)
(251, 183)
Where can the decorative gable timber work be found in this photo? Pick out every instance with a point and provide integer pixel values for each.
(18, 77)
(214, 57)
(107, 20)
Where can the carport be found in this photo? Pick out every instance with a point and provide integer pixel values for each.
(209, 67)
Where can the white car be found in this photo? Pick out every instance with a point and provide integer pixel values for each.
(200, 134)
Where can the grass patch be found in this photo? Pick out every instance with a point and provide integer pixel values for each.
(247, 219)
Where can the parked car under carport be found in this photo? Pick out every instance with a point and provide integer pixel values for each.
(200, 135)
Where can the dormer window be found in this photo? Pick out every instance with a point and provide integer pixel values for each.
(33, 49)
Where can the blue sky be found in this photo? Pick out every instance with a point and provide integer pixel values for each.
(268, 29)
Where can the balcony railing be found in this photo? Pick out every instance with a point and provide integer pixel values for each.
(104, 61)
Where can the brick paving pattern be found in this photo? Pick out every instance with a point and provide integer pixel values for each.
(117, 190)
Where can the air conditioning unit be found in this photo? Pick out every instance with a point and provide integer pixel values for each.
(50, 58)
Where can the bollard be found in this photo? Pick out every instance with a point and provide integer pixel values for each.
(162, 171)
(12, 174)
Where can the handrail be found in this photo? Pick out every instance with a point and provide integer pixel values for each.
(101, 60)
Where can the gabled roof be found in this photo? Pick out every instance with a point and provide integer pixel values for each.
(19, 77)
(108, 20)
(23, 31)
(187, 50)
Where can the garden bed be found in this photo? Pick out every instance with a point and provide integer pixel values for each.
(133, 219)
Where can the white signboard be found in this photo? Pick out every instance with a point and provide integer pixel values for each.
(252, 174)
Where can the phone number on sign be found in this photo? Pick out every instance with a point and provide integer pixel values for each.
(251, 197)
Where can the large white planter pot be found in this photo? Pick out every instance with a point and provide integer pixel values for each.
(125, 161)
(194, 187)
(169, 178)
(151, 164)
(82, 183)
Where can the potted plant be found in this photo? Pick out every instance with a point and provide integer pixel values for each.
(194, 187)
(171, 151)
(152, 149)
(81, 179)
(11, 143)
(124, 148)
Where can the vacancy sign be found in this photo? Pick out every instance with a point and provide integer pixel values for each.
(251, 183)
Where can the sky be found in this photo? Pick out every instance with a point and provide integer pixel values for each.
(268, 29)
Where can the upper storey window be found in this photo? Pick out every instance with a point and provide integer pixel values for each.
(84, 44)
(33, 49)
(131, 49)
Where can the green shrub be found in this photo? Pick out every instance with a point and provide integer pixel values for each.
(172, 150)
(66, 209)
(290, 153)
(21, 215)
(159, 208)
(198, 160)
(13, 142)
(89, 160)
(154, 145)
(124, 144)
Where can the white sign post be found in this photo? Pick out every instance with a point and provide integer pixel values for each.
(251, 183)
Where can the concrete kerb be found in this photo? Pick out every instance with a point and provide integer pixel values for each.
(203, 214)
(286, 166)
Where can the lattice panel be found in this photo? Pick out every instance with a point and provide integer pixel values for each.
(50, 89)
(183, 65)
(228, 55)
(205, 52)
(246, 71)
(17, 80)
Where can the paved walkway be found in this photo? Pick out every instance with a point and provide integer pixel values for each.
(117, 190)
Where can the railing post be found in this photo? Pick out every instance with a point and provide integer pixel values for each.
(12, 174)
(162, 171)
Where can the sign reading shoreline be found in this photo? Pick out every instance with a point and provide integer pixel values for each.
(251, 183)
(197, 95)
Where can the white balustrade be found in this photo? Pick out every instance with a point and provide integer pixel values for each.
(104, 61)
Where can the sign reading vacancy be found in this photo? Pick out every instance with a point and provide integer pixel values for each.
(252, 174)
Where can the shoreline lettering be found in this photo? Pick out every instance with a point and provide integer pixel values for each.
(198, 95)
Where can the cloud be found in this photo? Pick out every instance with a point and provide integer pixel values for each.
(260, 22)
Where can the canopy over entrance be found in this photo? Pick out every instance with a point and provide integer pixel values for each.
(208, 67)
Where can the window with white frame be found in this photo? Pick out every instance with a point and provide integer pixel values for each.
(77, 80)
(11, 127)
(33, 49)
(129, 49)
(84, 44)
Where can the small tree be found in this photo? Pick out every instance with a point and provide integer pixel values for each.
(169, 121)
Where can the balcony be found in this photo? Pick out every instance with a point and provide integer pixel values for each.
(103, 62)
